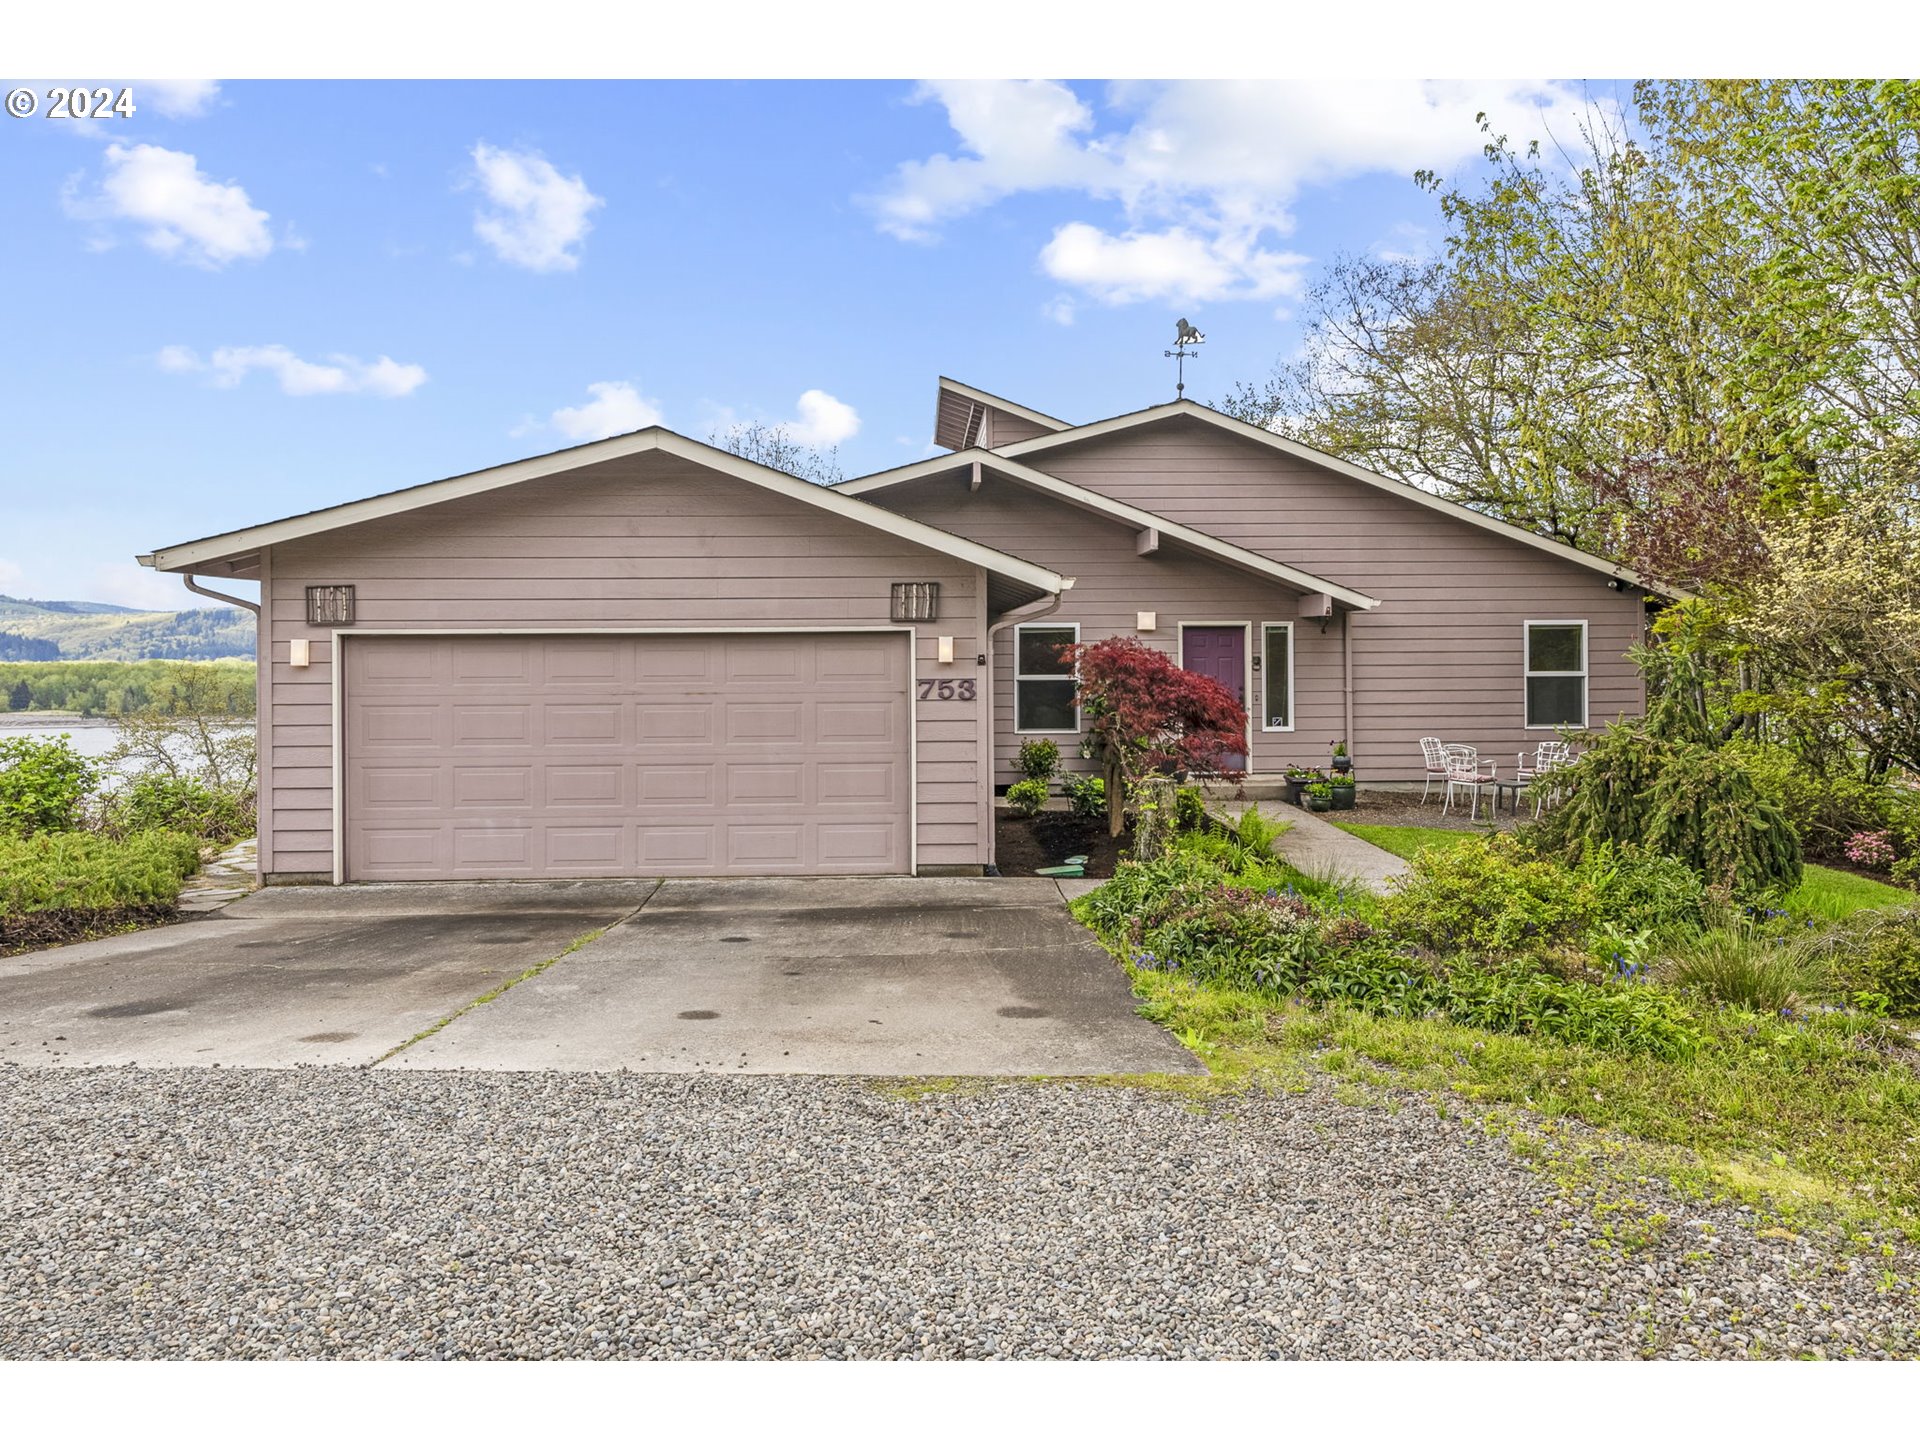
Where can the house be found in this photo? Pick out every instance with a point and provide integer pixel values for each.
(646, 656)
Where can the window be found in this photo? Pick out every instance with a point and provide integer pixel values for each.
(1276, 666)
(1043, 682)
(1556, 674)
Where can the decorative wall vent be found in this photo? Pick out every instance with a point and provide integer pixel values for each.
(329, 604)
(916, 600)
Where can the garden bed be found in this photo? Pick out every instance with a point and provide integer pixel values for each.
(1021, 847)
(43, 929)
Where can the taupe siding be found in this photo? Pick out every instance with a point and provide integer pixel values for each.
(1112, 584)
(999, 428)
(1443, 653)
(645, 541)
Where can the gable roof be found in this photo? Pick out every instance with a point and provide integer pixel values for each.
(1078, 495)
(956, 417)
(1189, 409)
(189, 554)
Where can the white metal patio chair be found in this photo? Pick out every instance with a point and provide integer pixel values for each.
(1549, 756)
(1435, 755)
(1467, 771)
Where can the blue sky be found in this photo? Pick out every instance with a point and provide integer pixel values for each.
(253, 298)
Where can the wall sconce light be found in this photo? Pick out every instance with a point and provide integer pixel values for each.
(946, 649)
(298, 655)
(1147, 620)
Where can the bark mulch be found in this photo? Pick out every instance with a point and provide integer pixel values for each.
(1024, 846)
(42, 929)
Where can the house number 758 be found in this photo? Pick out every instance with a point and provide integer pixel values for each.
(946, 690)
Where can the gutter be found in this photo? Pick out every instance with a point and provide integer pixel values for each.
(197, 589)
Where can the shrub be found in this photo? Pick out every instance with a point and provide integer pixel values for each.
(42, 784)
(1256, 832)
(1873, 952)
(1677, 796)
(158, 801)
(1871, 849)
(1086, 795)
(1243, 939)
(1825, 808)
(1636, 889)
(87, 872)
(1487, 897)
(1189, 807)
(1026, 797)
(1039, 759)
(1757, 972)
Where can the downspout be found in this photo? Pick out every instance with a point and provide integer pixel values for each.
(1346, 662)
(188, 581)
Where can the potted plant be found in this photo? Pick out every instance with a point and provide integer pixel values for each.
(1320, 795)
(1342, 762)
(1342, 791)
(1298, 778)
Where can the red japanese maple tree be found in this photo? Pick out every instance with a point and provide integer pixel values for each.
(1147, 716)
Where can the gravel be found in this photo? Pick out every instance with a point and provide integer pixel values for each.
(185, 1213)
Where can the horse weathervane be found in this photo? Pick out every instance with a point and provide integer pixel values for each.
(1185, 338)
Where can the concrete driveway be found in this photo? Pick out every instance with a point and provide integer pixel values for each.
(865, 977)
(292, 977)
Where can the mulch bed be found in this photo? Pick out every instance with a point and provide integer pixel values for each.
(1399, 807)
(1024, 846)
(41, 929)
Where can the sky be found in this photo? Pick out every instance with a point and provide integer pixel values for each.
(250, 299)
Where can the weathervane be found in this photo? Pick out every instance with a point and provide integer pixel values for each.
(1185, 337)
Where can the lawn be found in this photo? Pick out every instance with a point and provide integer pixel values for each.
(1823, 892)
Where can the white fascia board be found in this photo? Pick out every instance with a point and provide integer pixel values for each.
(1085, 499)
(1295, 449)
(184, 557)
(1011, 407)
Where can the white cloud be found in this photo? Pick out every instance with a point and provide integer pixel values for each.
(1204, 174)
(11, 576)
(1060, 310)
(539, 216)
(615, 409)
(336, 375)
(1172, 264)
(184, 215)
(823, 421)
(127, 583)
(177, 99)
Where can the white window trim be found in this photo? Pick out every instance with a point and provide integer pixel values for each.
(1072, 625)
(1585, 672)
(1266, 709)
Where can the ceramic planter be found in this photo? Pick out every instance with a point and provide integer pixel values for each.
(1319, 802)
(1343, 797)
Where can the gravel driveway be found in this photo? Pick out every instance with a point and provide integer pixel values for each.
(344, 1213)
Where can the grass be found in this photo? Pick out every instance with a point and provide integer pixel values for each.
(1406, 841)
(1830, 894)
(1802, 1122)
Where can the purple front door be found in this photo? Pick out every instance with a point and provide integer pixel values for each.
(1220, 653)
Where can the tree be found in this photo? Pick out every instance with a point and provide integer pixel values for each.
(775, 447)
(1146, 716)
(187, 731)
(20, 697)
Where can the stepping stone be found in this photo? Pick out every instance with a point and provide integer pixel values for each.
(1074, 860)
(1063, 872)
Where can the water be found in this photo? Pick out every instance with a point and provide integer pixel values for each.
(88, 737)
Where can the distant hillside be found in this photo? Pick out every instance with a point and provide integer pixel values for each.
(81, 630)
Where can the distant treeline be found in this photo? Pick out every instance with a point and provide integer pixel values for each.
(114, 687)
(26, 647)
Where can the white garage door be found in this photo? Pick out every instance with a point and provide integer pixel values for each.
(501, 757)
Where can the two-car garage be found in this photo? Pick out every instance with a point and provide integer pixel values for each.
(507, 755)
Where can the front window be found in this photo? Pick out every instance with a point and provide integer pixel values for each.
(1556, 674)
(1043, 683)
(1276, 666)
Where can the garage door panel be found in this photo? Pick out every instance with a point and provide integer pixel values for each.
(677, 785)
(583, 724)
(629, 755)
(485, 660)
(492, 787)
(493, 724)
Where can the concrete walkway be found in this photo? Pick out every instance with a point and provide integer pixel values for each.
(229, 876)
(1323, 851)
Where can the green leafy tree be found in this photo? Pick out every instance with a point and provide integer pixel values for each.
(43, 783)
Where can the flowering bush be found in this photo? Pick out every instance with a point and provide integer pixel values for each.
(1871, 848)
